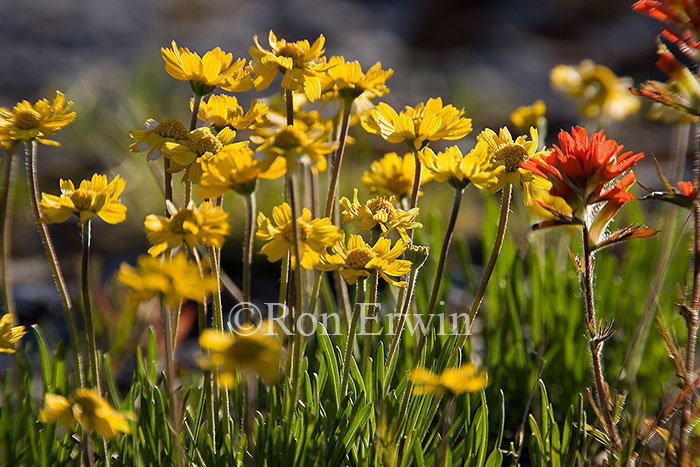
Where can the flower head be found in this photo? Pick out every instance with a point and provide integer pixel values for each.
(222, 110)
(360, 259)
(92, 197)
(581, 169)
(393, 175)
(528, 116)
(235, 168)
(197, 147)
(294, 144)
(458, 170)
(504, 150)
(466, 378)
(28, 122)
(203, 225)
(152, 139)
(600, 92)
(9, 334)
(417, 126)
(380, 213)
(681, 22)
(251, 347)
(208, 72)
(301, 64)
(172, 279)
(346, 80)
(86, 407)
(316, 234)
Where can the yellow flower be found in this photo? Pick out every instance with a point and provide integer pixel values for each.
(316, 235)
(251, 347)
(295, 144)
(203, 225)
(466, 378)
(172, 279)
(197, 147)
(458, 170)
(9, 334)
(600, 92)
(543, 195)
(528, 116)
(505, 151)
(224, 111)
(152, 139)
(86, 407)
(417, 126)
(300, 62)
(235, 168)
(207, 73)
(380, 213)
(393, 175)
(346, 80)
(93, 197)
(27, 122)
(359, 259)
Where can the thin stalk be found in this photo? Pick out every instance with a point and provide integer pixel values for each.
(168, 183)
(338, 160)
(401, 320)
(416, 182)
(188, 192)
(30, 156)
(313, 188)
(170, 374)
(196, 102)
(596, 346)
(367, 344)
(445, 248)
(6, 236)
(352, 334)
(93, 358)
(248, 245)
(218, 324)
(289, 106)
(445, 430)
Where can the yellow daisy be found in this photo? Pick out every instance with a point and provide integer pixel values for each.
(86, 407)
(300, 62)
(359, 259)
(295, 144)
(9, 334)
(458, 170)
(417, 126)
(599, 91)
(249, 348)
(316, 235)
(27, 122)
(222, 110)
(466, 378)
(528, 116)
(172, 279)
(509, 153)
(347, 81)
(380, 213)
(93, 197)
(393, 175)
(235, 168)
(207, 73)
(204, 225)
(196, 148)
(152, 139)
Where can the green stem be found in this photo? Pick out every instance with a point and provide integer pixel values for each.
(400, 322)
(6, 236)
(30, 155)
(445, 248)
(367, 345)
(248, 245)
(352, 333)
(170, 375)
(416, 182)
(168, 181)
(93, 358)
(218, 323)
(338, 160)
(196, 102)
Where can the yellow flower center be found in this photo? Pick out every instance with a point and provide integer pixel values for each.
(510, 155)
(379, 204)
(304, 228)
(288, 138)
(171, 128)
(27, 118)
(82, 199)
(358, 257)
(294, 52)
(202, 140)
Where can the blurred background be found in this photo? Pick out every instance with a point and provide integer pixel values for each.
(489, 57)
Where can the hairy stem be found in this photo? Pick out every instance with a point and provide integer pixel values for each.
(352, 334)
(416, 182)
(248, 245)
(93, 358)
(338, 160)
(8, 298)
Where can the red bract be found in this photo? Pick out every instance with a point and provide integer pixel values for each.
(688, 189)
(580, 168)
(680, 18)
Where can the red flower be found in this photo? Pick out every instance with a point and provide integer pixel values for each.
(688, 190)
(680, 18)
(580, 168)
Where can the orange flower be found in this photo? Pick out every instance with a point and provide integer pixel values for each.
(681, 22)
(580, 168)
